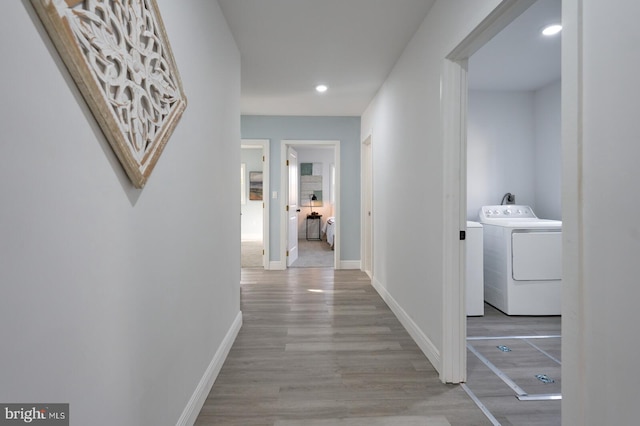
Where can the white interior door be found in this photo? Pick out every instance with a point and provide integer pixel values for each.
(292, 206)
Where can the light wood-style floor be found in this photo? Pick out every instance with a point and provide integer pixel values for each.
(319, 347)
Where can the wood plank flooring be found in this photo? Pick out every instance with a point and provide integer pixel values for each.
(319, 347)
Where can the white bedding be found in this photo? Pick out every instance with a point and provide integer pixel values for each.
(329, 229)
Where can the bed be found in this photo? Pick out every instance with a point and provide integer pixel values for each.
(329, 230)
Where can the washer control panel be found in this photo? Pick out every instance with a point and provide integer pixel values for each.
(509, 211)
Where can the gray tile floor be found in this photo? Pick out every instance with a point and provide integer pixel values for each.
(524, 359)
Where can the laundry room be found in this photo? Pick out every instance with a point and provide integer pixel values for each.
(513, 146)
(513, 133)
(514, 159)
(514, 228)
(514, 152)
(514, 124)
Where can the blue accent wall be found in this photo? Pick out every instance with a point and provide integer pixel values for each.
(344, 129)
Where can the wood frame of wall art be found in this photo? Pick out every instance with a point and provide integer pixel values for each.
(119, 56)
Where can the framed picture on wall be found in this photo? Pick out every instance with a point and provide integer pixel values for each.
(255, 186)
(311, 184)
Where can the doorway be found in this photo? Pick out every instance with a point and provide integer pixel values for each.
(514, 147)
(459, 107)
(254, 203)
(310, 182)
(454, 130)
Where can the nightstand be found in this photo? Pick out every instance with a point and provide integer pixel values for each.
(312, 219)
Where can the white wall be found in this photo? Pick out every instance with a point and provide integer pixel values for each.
(343, 129)
(548, 152)
(114, 299)
(500, 148)
(600, 101)
(251, 224)
(513, 145)
(404, 121)
(326, 158)
(600, 104)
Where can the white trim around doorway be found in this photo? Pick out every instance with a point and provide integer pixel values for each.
(366, 206)
(264, 144)
(282, 264)
(454, 122)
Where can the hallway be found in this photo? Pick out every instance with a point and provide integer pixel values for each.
(320, 347)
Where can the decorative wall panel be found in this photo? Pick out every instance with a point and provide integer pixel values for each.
(119, 56)
(311, 184)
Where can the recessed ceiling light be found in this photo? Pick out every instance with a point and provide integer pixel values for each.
(321, 88)
(551, 29)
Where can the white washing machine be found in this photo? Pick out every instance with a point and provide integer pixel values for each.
(522, 260)
(475, 286)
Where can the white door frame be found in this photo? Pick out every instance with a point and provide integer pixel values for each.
(284, 144)
(265, 145)
(293, 207)
(366, 215)
(454, 127)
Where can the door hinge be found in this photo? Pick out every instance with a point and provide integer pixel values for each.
(287, 162)
(287, 253)
(263, 252)
(263, 205)
(287, 208)
(263, 158)
(463, 235)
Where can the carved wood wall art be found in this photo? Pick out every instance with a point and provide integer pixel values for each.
(119, 56)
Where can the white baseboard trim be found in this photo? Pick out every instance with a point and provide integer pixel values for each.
(426, 345)
(349, 264)
(191, 411)
(277, 265)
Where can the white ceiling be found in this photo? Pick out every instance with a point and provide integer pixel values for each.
(290, 46)
(519, 57)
